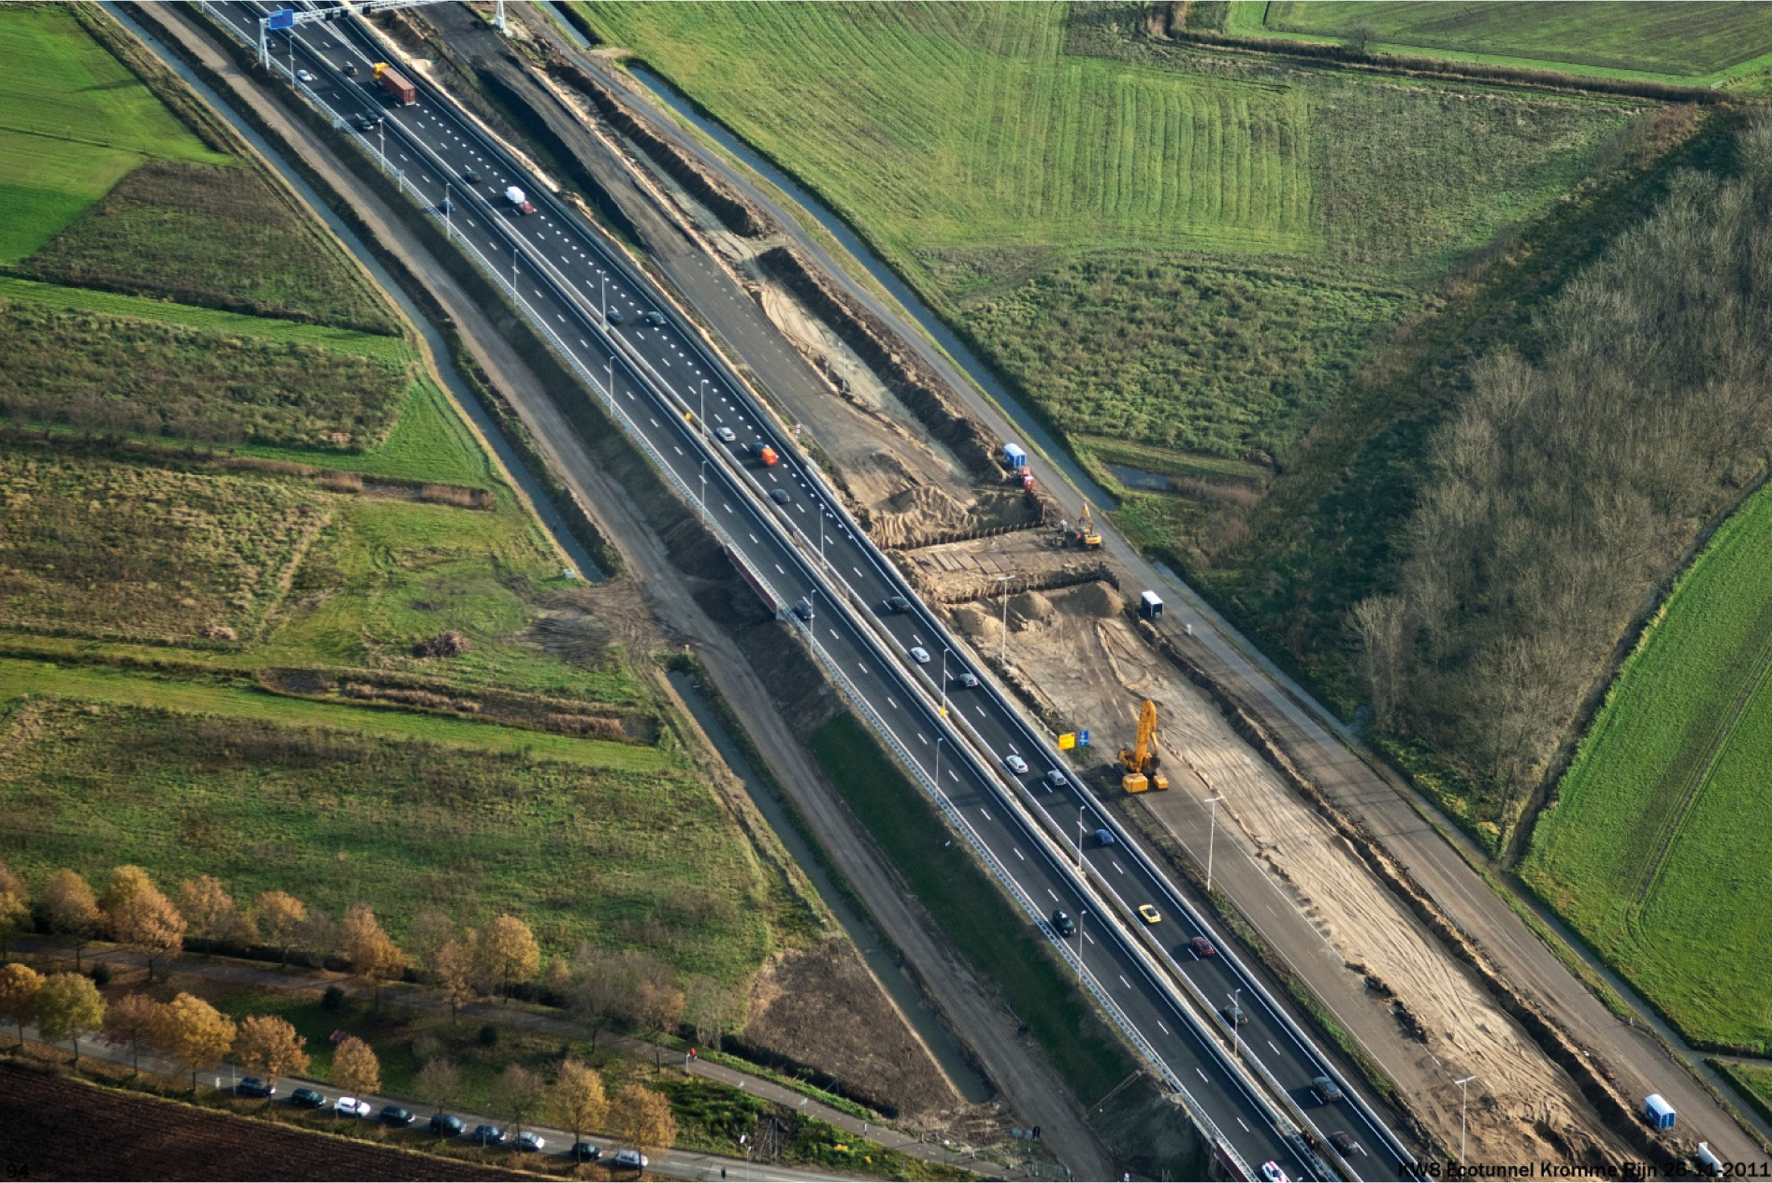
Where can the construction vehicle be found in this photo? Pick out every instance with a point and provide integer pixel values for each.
(395, 84)
(1085, 535)
(1141, 761)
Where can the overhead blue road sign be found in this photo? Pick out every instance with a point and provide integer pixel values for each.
(283, 18)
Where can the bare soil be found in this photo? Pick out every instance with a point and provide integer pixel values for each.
(1423, 1016)
(74, 1130)
(822, 1006)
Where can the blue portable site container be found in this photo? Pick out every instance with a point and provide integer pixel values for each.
(1658, 1111)
(1016, 458)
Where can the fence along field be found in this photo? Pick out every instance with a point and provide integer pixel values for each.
(76, 121)
(1681, 42)
(1659, 848)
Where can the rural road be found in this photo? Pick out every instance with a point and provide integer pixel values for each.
(971, 1007)
(1414, 831)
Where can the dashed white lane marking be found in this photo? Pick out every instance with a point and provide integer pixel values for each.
(1018, 854)
(1166, 1030)
(1196, 1067)
(1245, 1128)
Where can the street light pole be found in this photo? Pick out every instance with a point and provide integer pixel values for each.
(1211, 837)
(1079, 837)
(1003, 638)
(1463, 1101)
(1236, 1029)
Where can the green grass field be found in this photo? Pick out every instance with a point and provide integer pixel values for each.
(623, 859)
(1680, 41)
(73, 122)
(1659, 848)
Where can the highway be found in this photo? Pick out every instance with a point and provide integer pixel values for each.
(797, 541)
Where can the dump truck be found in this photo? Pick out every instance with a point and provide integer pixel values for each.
(1141, 761)
(517, 198)
(395, 84)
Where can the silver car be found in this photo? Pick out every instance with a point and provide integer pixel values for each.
(919, 655)
(1016, 765)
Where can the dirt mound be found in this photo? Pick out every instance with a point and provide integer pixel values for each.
(1028, 607)
(1094, 599)
(976, 623)
(820, 1008)
(914, 514)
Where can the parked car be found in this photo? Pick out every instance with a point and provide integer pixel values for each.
(631, 1160)
(1149, 914)
(1201, 947)
(531, 1141)
(1061, 920)
(1233, 1014)
(779, 496)
(488, 1135)
(352, 1107)
(653, 317)
(1328, 1092)
(252, 1086)
(1016, 764)
(1272, 1173)
(399, 1118)
(919, 655)
(307, 1098)
(1342, 1142)
(894, 604)
(726, 434)
(447, 1125)
(586, 1152)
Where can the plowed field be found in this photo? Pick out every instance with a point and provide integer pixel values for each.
(79, 1131)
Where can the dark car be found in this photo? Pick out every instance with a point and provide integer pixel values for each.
(368, 122)
(471, 176)
(586, 1152)
(307, 1098)
(893, 604)
(779, 496)
(803, 609)
(1061, 920)
(446, 206)
(531, 1141)
(1342, 1142)
(615, 316)
(447, 1125)
(395, 1116)
(1328, 1092)
(653, 318)
(252, 1086)
(1201, 947)
(1233, 1014)
(488, 1135)
(350, 69)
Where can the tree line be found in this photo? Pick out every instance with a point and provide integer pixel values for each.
(1573, 480)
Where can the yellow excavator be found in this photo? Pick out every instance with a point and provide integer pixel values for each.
(1085, 535)
(1141, 762)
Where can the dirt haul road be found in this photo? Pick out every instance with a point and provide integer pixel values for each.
(1302, 887)
(1410, 829)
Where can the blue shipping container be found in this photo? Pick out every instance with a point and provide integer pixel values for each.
(1658, 1111)
(1015, 456)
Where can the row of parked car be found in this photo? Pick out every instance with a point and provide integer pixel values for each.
(444, 1125)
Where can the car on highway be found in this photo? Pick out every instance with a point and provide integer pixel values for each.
(779, 496)
(488, 1135)
(531, 1141)
(352, 1107)
(892, 605)
(1061, 920)
(614, 316)
(969, 681)
(631, 1160)
(446, 206)
(368, 122)
(1201, 947)
(919, 655)
(803, 609)
(586, 1152)
(653, 317)
(1016, 764)
(252, 1086)
(304, 76)
(471, 176)
(1345, 1144)
(307, 1098)
(1272, 1173)
(1149, 914)
(1233, 1014)
(447, 1125)
(350, 69)
(1104, 837)
(397, 1117)
(726, 434)
(1328, 1092)
(1056, 778)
